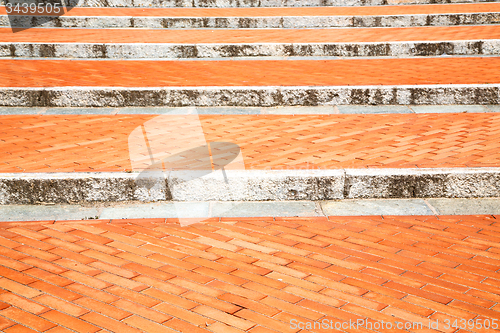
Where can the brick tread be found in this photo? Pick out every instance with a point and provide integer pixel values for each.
(343, 72)
(241, 302)
(33, 144)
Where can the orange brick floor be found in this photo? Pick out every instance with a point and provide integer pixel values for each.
(67, 143)
(224, 36)
(258, 275)
(290, 11)
(342, 72)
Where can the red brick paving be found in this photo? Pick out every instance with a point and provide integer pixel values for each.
(248, 274)
(67, 143)
(150, 73)
(290, 11)
(204, 36)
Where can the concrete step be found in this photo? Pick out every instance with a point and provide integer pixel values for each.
(149, 157)
(244, 18)
(103, 83)
(172, 44)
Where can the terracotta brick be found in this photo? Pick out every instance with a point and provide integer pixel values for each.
(188, 316)
(170, 298)
(4, 323)
(55, 290)
(212, 302)
(91, 292)
(236, 290)
(76, 266)
(30, 320)
(183, 326)
(142, 311)
(132, 296)
(102, 308)
(72, 256)
(22, 303)
(157, 260)
(19, 329)
(63, 306)
(228, 319)
(18, 288)
(22, 278)
(148, 271)
(108, 323)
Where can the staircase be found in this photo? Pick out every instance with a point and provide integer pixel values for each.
(381, 95)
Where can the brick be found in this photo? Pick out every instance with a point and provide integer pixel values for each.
(132, 296)
(102, 308)
(183, 326)
(211, 302)
(228, 319)
(18, 288)
(142, 311)
(108, 323)
(30, 320)
(22, 303)
(19, 329)
(61, 305)
(91, 292)
(145, 325)
(189, 316)
(55, 290)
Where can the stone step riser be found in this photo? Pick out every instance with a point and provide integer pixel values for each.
(247, 3)
(250, 96)
(250, 186)
(207, 51)
(251, 22)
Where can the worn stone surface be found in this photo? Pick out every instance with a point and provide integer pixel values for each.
(250, 96)
(78, 187)
(422, 183)
(250, 185)
(253, 185)
(190, 51)
(249, 3)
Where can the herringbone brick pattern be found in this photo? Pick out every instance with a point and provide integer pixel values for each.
(206, 36)
(249, 274)
(290, 11)
(342, 72)
(100, 143)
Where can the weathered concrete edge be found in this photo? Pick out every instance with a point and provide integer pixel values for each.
(250, 185)
(232, 50)
(271, 22)
(250, 96)
(249, 3)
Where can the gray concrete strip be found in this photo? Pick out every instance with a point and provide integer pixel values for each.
(466, 206)
(46, 213)
(265, 208)
(261, 50)
(157, 210)
(487, 94)
(286, 110)
(249, 185)
(275, 22)
(376, 207)
(450, 108)
(404, 207)
(373, 109)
